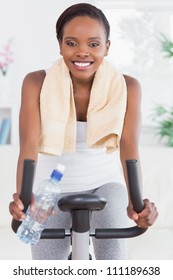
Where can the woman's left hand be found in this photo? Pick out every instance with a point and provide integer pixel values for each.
(146, 217)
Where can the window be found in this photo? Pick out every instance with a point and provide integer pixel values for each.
(136, 48)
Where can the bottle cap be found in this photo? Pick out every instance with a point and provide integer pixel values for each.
(60, 167)
(58, 172)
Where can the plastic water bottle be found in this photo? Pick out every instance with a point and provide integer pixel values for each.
(45, 199)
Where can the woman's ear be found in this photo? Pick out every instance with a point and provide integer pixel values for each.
(60, 48)
(108, 43)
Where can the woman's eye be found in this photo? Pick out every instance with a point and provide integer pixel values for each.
(71, 44)
(94, 44)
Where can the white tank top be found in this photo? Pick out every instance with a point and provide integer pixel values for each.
(86, 169)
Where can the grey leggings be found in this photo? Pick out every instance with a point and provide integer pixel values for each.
(113, 215)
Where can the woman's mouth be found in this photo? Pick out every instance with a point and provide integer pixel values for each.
(82, 64)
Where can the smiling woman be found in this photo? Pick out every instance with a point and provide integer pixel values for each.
(84, 44)
(85, 114)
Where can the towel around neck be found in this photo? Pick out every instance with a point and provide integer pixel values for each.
(105, 114)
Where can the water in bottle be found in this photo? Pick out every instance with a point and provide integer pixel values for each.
(45, 199)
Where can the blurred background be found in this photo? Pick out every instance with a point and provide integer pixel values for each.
(141, 46)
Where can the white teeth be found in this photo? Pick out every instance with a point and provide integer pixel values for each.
(82, 64)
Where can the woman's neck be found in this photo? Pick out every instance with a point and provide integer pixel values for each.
(80, 85)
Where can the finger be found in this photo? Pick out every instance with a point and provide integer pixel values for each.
(148, 209)
(15, 211)
(133, 215)
(150, 218)
(153, 216)
(17, 201)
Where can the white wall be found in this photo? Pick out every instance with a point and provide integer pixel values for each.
(31, 24)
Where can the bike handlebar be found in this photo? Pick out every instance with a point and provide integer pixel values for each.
(134, 185)
(103, 233)
(137, 202)
(26, 188)
(134, 188)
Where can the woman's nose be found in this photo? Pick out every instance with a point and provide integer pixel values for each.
(82, 53)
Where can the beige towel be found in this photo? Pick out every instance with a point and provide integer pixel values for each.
(105, 115)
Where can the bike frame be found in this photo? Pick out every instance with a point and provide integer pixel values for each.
(81, 206)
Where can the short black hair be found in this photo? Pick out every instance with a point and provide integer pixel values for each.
(81, 9)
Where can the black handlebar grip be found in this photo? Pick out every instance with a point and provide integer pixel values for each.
(26, 188)
(134, 185)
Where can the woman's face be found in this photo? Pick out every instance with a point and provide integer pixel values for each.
(83, 47)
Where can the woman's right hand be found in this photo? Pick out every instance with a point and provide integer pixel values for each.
(16, 207)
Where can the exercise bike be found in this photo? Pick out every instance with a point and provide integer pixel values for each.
(80, 206)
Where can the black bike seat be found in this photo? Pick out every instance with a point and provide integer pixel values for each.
(81, 202)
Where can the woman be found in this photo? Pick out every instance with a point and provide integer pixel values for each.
(84, 114)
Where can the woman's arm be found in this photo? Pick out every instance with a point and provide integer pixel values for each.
(29, 132)
(129, 149)
(131, 129)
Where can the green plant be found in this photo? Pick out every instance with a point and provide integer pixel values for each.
(163, 117)
(166, 45)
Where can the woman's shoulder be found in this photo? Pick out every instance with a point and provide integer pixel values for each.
(35, 78)
(131, 81)
(32, 84)
(133, 86)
